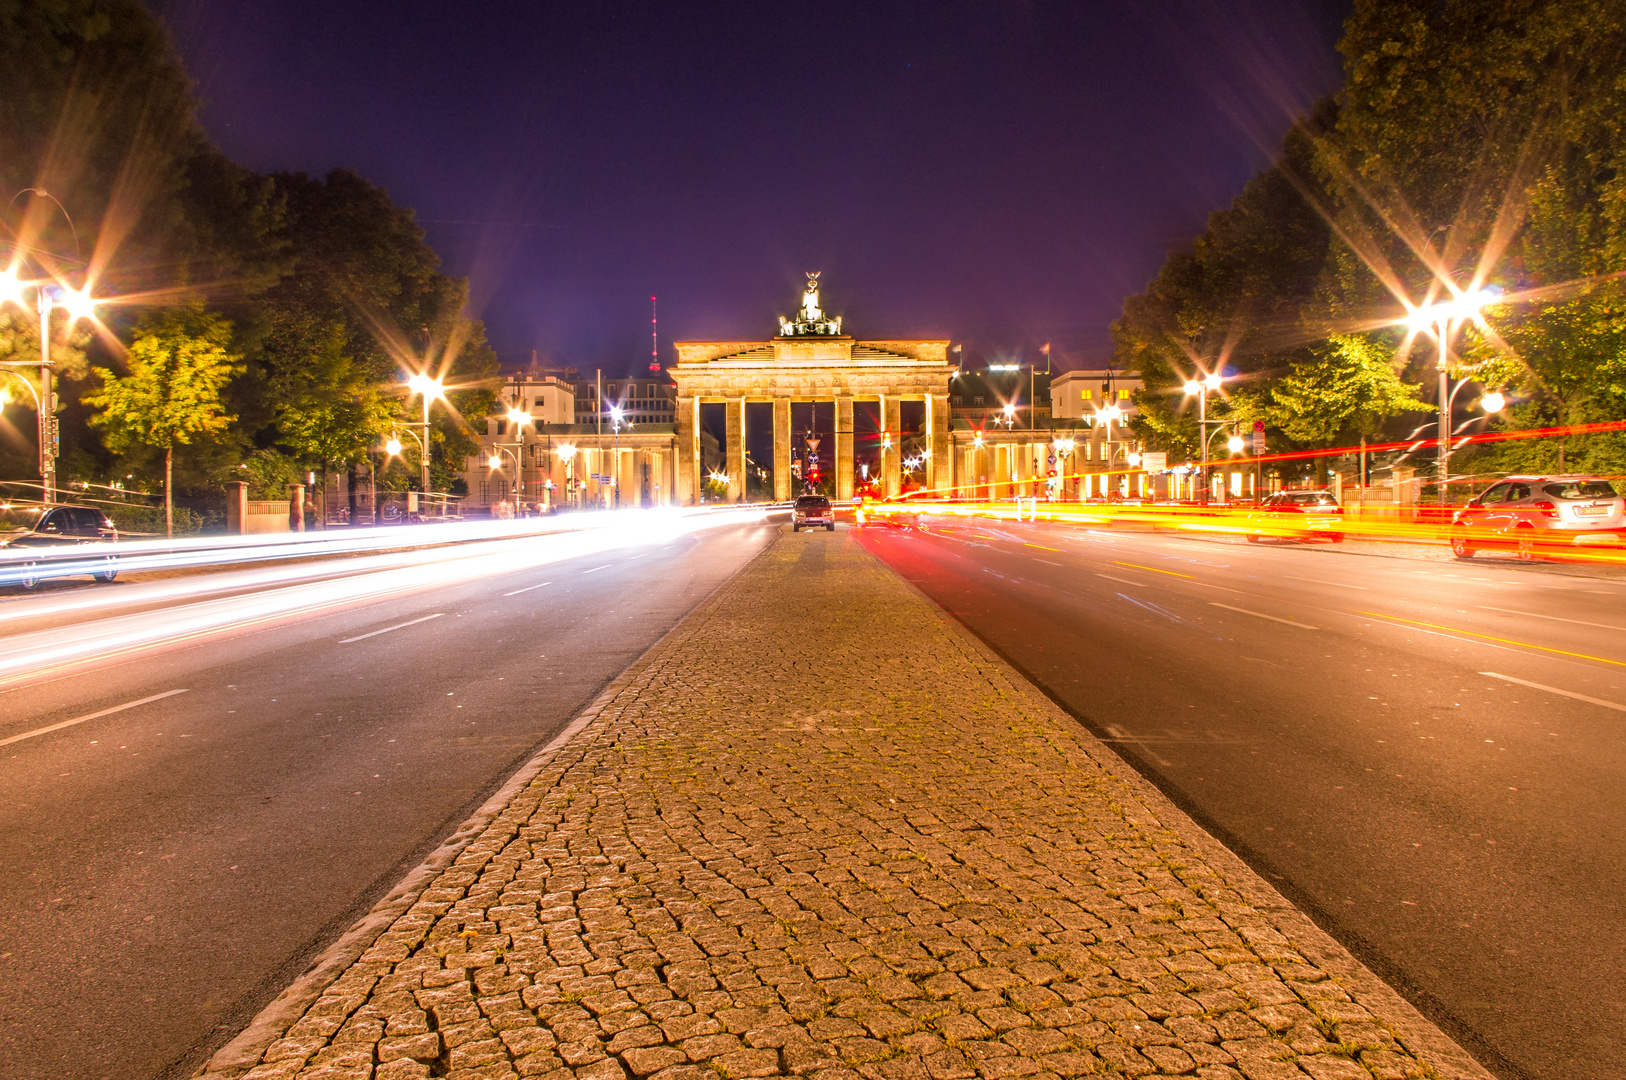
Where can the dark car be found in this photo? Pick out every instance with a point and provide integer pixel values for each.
(811, 510)
(1298, 515)
(1530, 514)
(66, 540)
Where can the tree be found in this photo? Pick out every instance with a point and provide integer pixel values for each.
(1348, 388)
(179, 366)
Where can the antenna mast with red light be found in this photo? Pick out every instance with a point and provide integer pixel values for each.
(654, 337)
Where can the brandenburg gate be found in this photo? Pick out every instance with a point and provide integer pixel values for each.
(811, 360)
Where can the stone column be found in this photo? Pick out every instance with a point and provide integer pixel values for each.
(844, 447)
(237, 508)
(688, 478)
(781, 450)
(892, 460)
(735, 426)
(940, 466)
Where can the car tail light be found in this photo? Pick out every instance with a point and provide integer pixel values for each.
(1547, 509)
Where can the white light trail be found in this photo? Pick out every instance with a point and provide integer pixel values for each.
(88, 642)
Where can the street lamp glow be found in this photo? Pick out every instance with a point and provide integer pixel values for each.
(1214, 380)
(11, 289)
(616, 414)
(1234, 443)
(1193, 387)
(566, 452)
(1112, 414)
(1493, 402)
(392, 447)
(518, 417)
(495, 461)
(432, 389)
(1134, 458)
(78, 304)
(1010, 408)
(1465, 306)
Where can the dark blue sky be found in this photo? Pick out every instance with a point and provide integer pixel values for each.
(1002, 173)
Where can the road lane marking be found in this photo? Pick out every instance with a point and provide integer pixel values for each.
(1262, 615)
(387, 629)
(1123, 580)
(596, 569)
(1555, 690)
(1554, 618)
(1492, 637)
(88, 716)
(1340, 584)
(1047, 562)
(527, 588)
(1154, 570)
(1041, 547)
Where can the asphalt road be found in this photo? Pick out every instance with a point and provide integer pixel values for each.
(1329, 716)
(166, 869)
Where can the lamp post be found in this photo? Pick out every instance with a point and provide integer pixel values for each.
(616, 419)
(495, 462)
(567, 454)
(1439, 319)
(430, 390)
(47, 297)
(519, 418)
(1211, 381)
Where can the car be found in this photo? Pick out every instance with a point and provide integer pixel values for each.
(1530, 514)
(812, 510)
(53, 547)
(1302, 514)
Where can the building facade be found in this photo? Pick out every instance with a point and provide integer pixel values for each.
(993, 433)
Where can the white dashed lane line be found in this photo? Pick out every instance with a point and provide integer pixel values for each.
(88, 716)
(1555, 690)
(527, 588)
(596, 569)
(1262, 615)
(387, 629)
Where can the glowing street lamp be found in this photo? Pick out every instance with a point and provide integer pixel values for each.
(430, 390)
(1493, 402)
(78, 305)
(392, 447)
(1440, 319)
(567, 454)
(1234, 444)
(1213, 380)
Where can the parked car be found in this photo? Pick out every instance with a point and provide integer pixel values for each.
(812, 510)
(65, 541)
(1529, 514)
(1298, 515)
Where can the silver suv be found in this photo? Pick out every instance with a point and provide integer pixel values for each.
(811, 510)
(1536, 514)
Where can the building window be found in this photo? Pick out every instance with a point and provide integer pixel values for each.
(485, 491)
(977, 400)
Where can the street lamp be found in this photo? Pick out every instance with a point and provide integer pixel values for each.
(430, 390)
(519, 418)
(567, 454)
(1438, 319)
(617, 414)
(78, 304)
(1493, 402)
(1209, 382)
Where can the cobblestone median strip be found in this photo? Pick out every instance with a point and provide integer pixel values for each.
(819, 830)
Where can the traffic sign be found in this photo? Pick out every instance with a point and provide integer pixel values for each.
(1258, 437)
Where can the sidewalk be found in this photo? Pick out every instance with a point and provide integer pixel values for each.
(820, 830)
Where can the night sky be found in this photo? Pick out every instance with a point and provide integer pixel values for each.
(1002, 173)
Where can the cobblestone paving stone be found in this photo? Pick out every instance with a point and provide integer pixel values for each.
(822, 832)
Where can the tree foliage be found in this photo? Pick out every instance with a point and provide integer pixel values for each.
(179, 364)
(327, 287)
(1476, 142)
